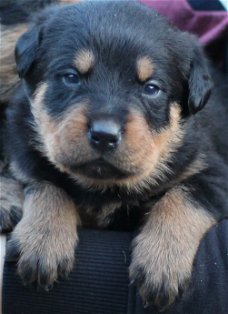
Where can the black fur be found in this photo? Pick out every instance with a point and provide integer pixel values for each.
(118, 33)
(12, 13)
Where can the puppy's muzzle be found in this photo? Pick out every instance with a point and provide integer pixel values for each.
(104, 135)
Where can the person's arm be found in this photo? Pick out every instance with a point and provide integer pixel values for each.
(99, 283)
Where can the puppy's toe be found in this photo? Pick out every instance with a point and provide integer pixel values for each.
(161, 276)
(162, 293)
(39, 262)
(43, 270)
(64, 267)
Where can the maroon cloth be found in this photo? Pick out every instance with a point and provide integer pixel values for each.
(210, 26)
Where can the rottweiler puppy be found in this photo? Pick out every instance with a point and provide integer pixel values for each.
(107, 130)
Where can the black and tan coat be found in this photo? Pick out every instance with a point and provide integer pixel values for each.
(108, 125)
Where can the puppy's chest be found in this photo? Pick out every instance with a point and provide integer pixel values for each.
(115, 214)
(113, 209)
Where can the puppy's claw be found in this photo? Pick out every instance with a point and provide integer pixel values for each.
(146, 304)
(12, 251)
(132, 282)
(47, 288)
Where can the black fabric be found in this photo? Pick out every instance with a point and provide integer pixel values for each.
(205, 5)
(99, 283)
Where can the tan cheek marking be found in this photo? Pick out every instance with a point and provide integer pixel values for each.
(144, 68)
(140, 146)
(45, 128)
(61, 139)
(149, 151)
(84, 60)
(43, 122)
(149, 148)
(166, 143)
(167, 138)
(137, 138)
(74, 123)
(69, 141)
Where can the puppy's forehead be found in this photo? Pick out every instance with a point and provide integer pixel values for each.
(117, 33)
(85, 60)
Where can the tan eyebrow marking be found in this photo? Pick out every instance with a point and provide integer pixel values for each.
(68, 1)
(84, 60)
(145, 68)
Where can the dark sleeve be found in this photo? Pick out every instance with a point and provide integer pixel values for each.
(99, 283)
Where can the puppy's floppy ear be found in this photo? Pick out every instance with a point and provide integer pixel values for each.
(199, 81)
(26, 50)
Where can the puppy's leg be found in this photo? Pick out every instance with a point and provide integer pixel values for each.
(164, 251)
(46, 237)
(11, 200)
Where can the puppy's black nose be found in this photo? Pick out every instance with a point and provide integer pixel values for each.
(104, 135)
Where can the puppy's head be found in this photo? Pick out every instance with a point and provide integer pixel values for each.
(109, 84)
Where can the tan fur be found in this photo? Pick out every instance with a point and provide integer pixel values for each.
(144, 68)
(8, 73)
(150, 148)
(64, 139)
(47, 231)
(71, 134)
(69, 1)
(84, 61)
(168, 242)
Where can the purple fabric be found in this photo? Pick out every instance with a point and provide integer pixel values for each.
(207, 25)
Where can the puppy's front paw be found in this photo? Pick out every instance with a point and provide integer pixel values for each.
(45, 238)
(164, 251)
(43, 258)
(161, 276)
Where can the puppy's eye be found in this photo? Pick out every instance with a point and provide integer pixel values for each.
(71, 79)
(151, 89)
